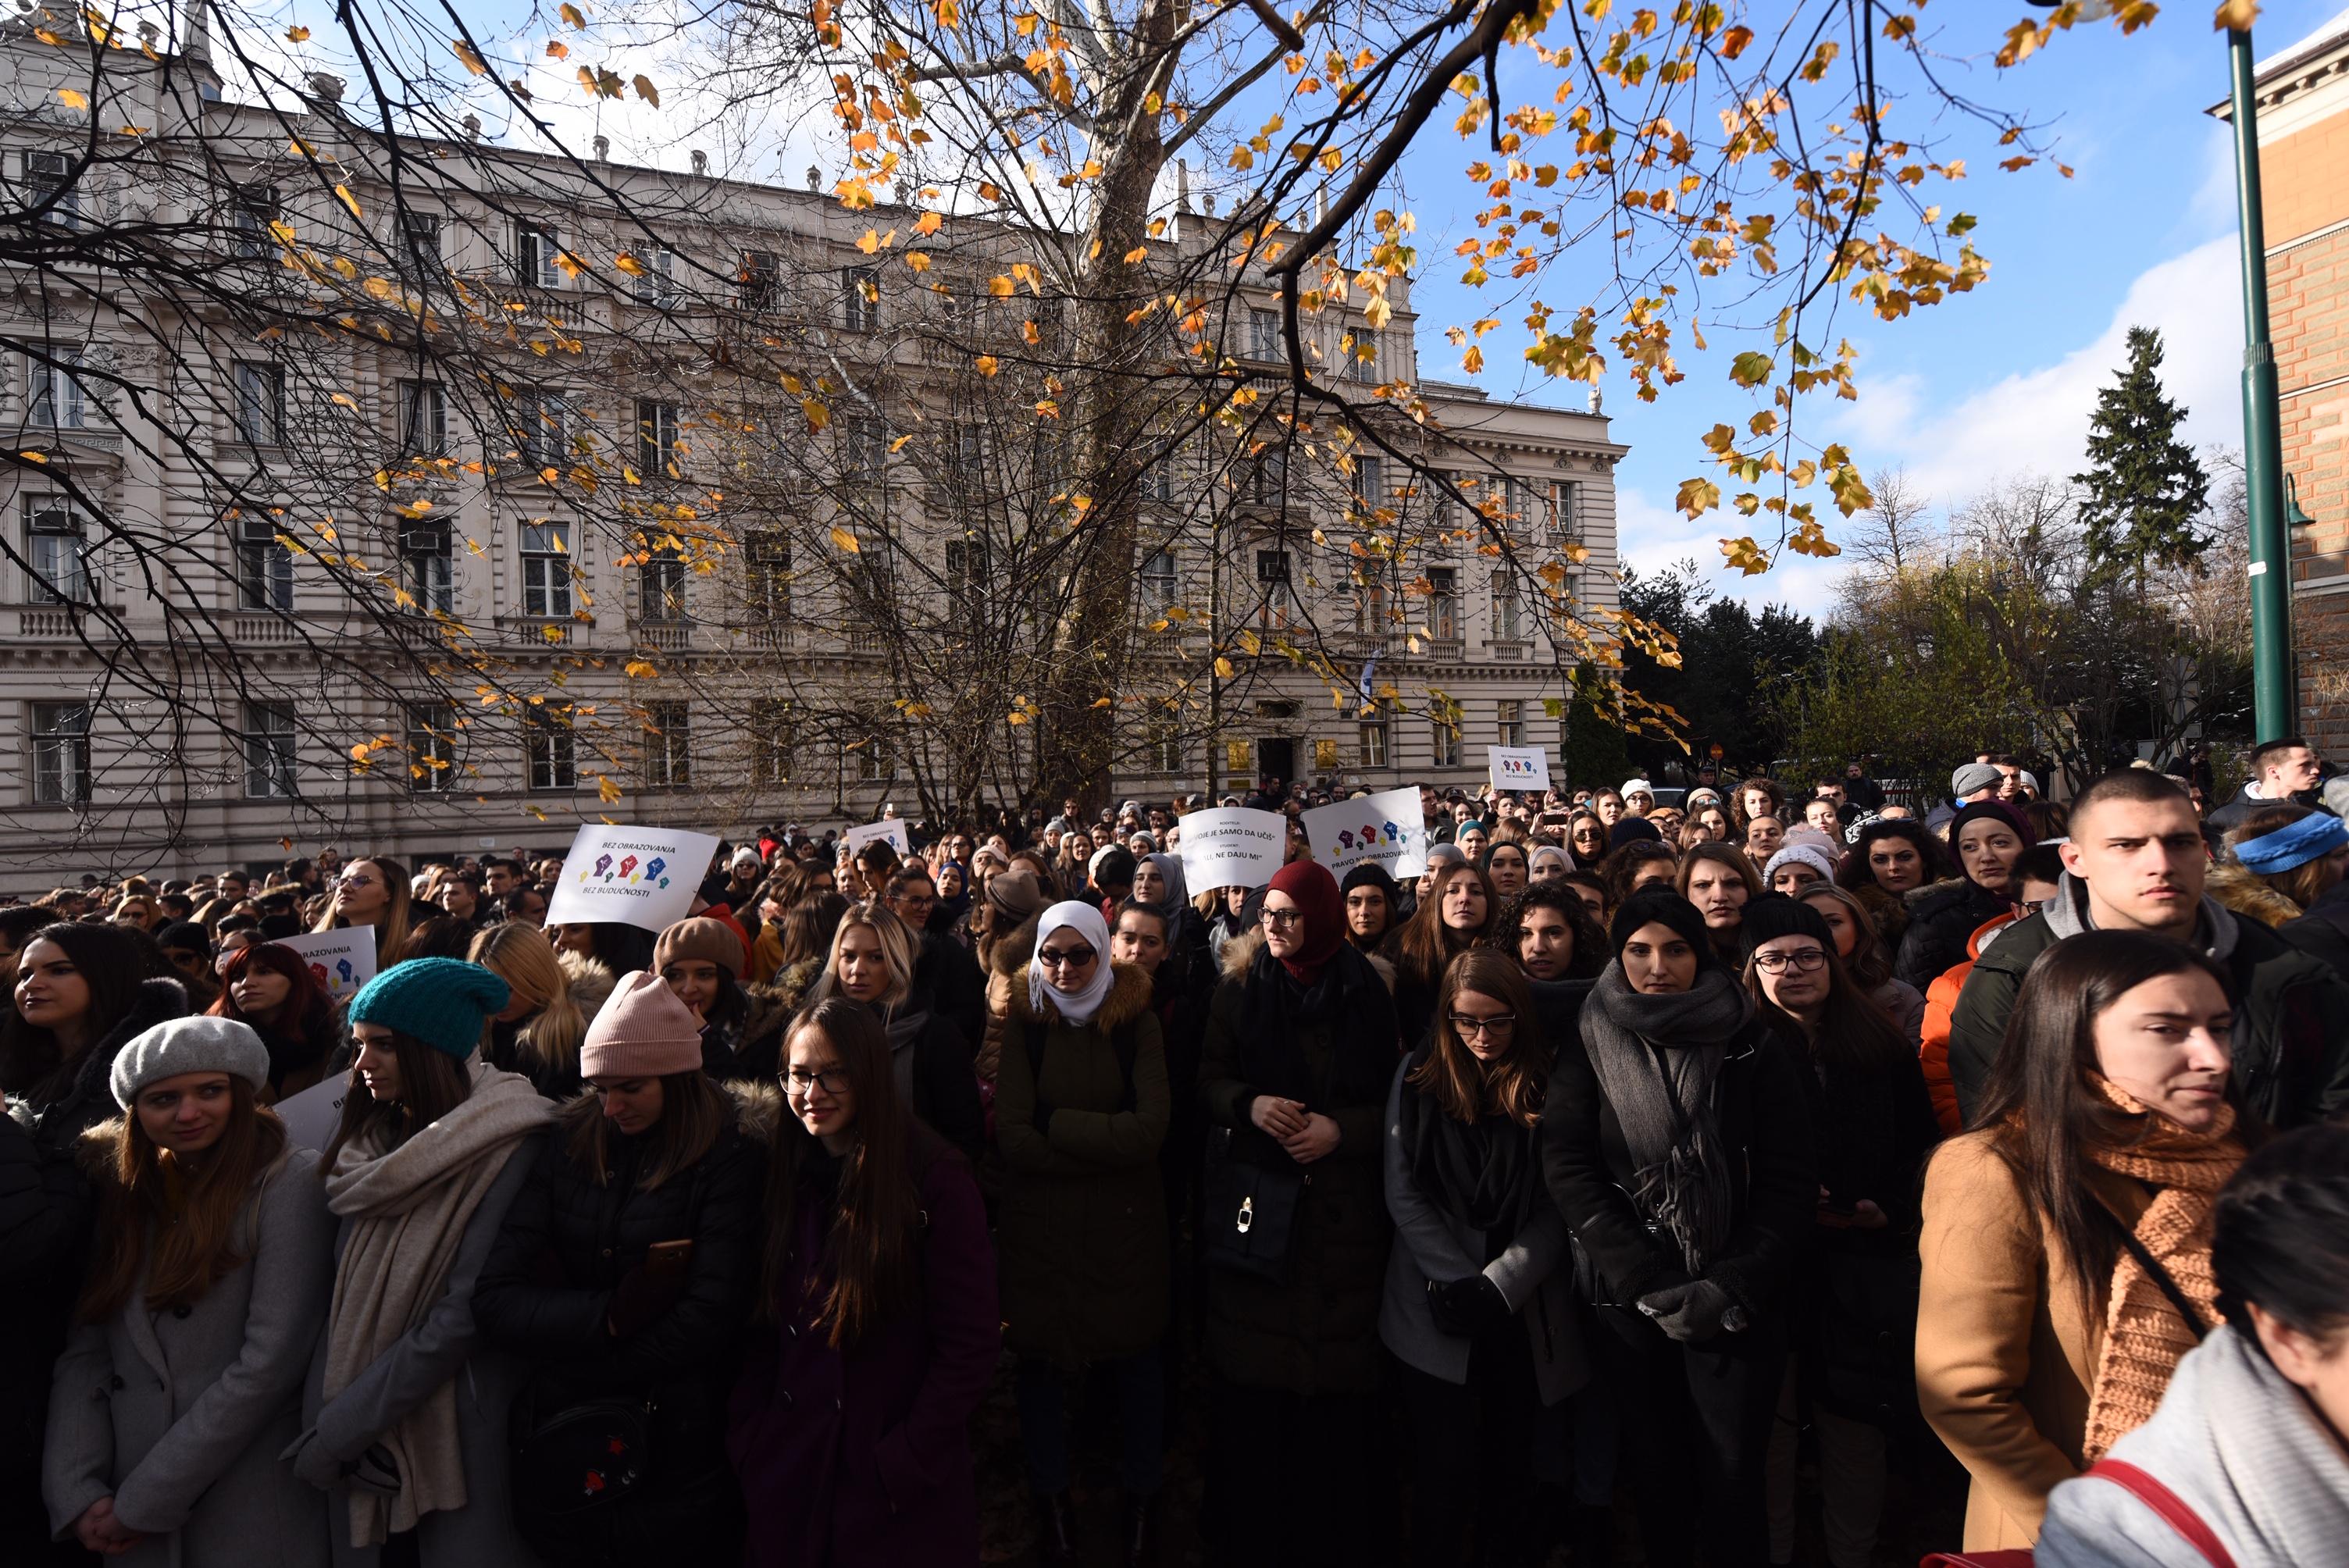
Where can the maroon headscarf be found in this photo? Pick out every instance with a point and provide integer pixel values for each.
(1311, 888)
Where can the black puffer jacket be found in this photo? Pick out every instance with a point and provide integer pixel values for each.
(1940, 919)
(2322, 931)
(549, 1290)
(46, 1205)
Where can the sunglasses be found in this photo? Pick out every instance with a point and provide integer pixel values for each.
(1073, 958)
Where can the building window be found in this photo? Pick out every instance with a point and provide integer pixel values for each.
(542, 423)
(1269, 478)
(1443, 603)
(264, 566)
(251, 209)
(54, 391)
(658, 429)
(549, 753)
(261, 405)
(1565, 509)
(1158, 477)
(876, 760)
(269, 751)
(773, 729)
(432, 748)
(657, 285)
(536, 248)
(1164, 744)
(546, 569)
(1264, 335)
(660, 585)
(767, 575)
(965, 570)
(60, 753)
(1509, 727)
(860, 298)
(1362, 347)
(1161, 588)
(1372, 743)
(1274, 587)
(1528, 504)
(49, 190)
(761, 280)
(423, 419)
(1371, 616)
(1508, 612)
(1444, 737)
(1369, 483)
(668, 746)
(56, 543)
(865, 453)
(420, 242)
(429, 567)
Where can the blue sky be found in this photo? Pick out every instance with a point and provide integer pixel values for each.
(1999, 380)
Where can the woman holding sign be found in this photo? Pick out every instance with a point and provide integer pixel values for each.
(1301, 1047)
(374, 892)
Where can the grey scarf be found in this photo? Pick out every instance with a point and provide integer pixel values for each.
(1657, 1059)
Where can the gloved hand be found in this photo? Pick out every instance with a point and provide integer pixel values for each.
(640, 1299)
(1478, 1303)
(1689, 1312)
(312, 1462)
(1439, 1306)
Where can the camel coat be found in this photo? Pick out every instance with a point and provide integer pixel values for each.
(2006, 1345)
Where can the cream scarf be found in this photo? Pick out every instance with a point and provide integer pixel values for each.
(407, 1208)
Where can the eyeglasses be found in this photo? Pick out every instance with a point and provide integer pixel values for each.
(1283, 916)
(800, 1080)
(1807, 961)
(355, 881)
(1073, 958)
(909, 902)
(1469, 1028)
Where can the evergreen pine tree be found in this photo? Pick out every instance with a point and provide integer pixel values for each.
(2145, 489)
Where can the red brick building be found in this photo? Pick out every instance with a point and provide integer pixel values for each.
(2303, 113)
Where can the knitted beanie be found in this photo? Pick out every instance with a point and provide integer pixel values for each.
(1771, 916)
(1016, 895)
(197, 1045)
(1661, 906)
(1804, 854)
(644, 1031)
(439, 1001)
(700, 937)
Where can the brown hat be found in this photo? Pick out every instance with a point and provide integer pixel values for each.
(700, 937)
(1016, 894)
(643, 1031)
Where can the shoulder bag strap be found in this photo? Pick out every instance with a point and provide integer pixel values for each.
(2185, 1308)
(2167, 1506)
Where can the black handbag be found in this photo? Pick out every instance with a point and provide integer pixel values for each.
(1251, 1214)
(578, 1462)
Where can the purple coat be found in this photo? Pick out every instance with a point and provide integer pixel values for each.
(864, 1456)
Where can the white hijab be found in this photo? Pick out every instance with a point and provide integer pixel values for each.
(1076, 1006)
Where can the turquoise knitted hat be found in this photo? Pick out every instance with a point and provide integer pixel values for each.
(441, 1001)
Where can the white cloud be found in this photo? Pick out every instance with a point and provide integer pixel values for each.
(2036, 420)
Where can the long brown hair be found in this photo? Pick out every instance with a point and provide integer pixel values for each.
(869, 1251)
(392, 934)
(432, 1083)
(693, 1113)
(176, 1219)
(1424, 944)
(1869, 965)
(33, 1067)
(2040, 1103)
(1854, 1032)
(1465, 1089)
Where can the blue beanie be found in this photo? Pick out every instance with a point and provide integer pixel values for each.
(439, 1001)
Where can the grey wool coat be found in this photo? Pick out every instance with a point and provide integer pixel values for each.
(180, 1415)
(446, 1345)
(1534, 1273)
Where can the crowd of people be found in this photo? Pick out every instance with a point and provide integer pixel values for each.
(1659, 1148)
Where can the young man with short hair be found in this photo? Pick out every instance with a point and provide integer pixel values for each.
(2135, 861)
(2284, 772)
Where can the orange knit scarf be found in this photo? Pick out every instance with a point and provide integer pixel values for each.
(2144, 1335)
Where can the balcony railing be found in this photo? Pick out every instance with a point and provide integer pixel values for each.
(769, 638)
(666, 636)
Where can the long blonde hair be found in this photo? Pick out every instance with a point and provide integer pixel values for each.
(390, 933)
(522, 957)
(899, 946)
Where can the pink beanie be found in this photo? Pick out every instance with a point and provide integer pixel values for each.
(643, 1031)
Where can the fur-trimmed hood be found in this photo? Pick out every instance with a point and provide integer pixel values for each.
(1241, 951)
(589, 980)
(1128, 1000)
(2248, 894)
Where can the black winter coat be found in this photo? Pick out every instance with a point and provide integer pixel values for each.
(950, 973)
(46, 1208)
(548, 1294)
(932, 1061)
(2323, 931)
(1941, 920)
(1766, 1129)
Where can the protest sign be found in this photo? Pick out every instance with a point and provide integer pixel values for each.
(1386, 828)
(893, 828)
(339, 961)
(1232, 846)
(1520, 766)
(312, 1116)
(631, 876)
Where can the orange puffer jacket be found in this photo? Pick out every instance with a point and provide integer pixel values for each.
(1940, 1001)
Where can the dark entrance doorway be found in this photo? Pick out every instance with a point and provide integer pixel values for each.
(1275, 760)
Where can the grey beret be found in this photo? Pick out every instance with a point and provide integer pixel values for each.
(197, 1045)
